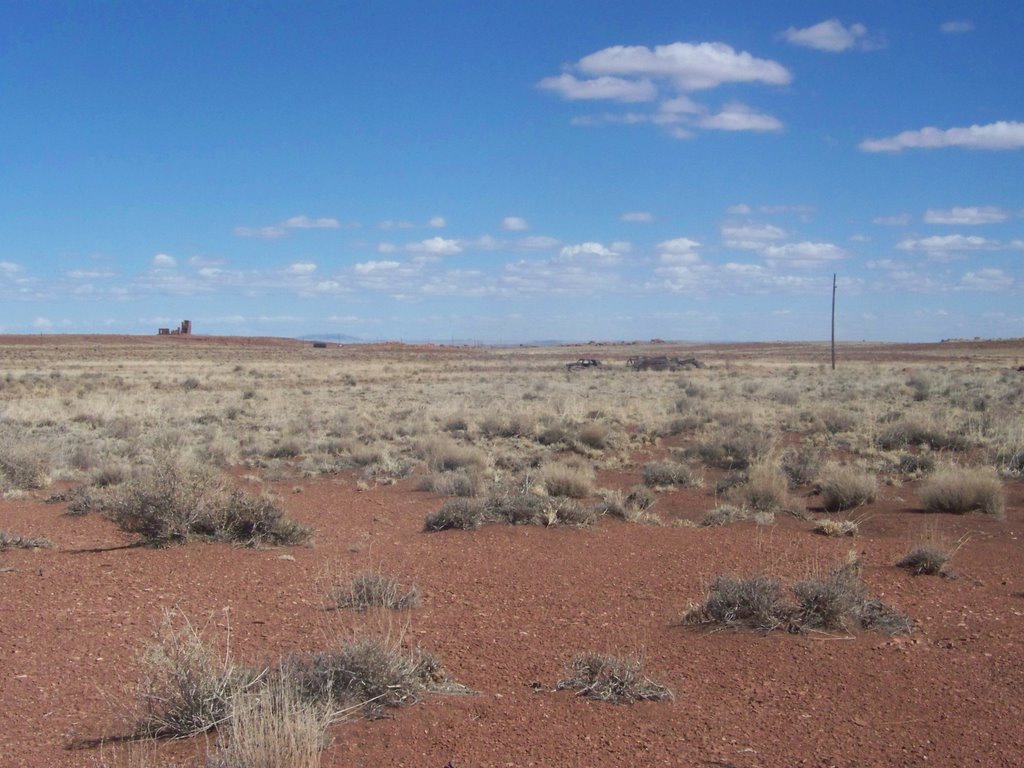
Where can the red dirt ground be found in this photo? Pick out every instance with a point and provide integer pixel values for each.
(505, 608)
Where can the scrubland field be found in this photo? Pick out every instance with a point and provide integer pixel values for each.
(249, 553)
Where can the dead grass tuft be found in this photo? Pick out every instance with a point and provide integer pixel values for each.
(13, 541)
(615, 679)
(567, 480)
(372, 589)
(845, 487)
(959, 490)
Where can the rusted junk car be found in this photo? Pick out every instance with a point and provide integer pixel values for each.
(582, 363)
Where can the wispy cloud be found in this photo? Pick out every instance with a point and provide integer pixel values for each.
(968, 215)
(896, 220)
(957, 27)
(637, 217)
(514, 224)
(1002, 135)
(437, 246)
(163, 261)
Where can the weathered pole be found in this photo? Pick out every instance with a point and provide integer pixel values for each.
(833, 321)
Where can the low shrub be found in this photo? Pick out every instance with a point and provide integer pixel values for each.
(766, 488)
(737, 448)
(566, 480)
(908, 432)
(916, 464)
(633, 507)
(595, 435)
(24, 466)
(443, 455)
(925, 560)
(458, 483)
(757, 602)
(615, 679)
(372, 589)
(846, 487)
(959, 490)
(801, 465)
(835, 528)
(457, 514)
(837, 420)
(660, 475)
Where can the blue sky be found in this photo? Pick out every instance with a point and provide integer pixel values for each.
(510, 171)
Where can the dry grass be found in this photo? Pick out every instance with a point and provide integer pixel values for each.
(614, 679)
(766, 489)
(575, 482)
(372, 589)
(14, 541)
(959, 490)
(845, 487)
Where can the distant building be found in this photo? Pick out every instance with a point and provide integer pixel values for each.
(185, 329)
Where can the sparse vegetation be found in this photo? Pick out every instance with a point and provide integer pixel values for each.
(846, 487)
(615, 679)
(925, 560)
(666, 474)
(372, 589)
(959, 490)
(457, 514)
(14, 541)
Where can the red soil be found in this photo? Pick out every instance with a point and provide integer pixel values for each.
(505, 609)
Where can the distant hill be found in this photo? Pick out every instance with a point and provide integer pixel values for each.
(334, 338)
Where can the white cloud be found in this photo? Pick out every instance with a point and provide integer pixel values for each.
(301, 268)
(386, 248)
(899, 220)
(592, 253)
(305, 222)
(263, 233)
(613, 88)
(750, 237)
(805, 254)
(741, 209)
(690, 66)
(986, 280)
(514, 224)
(437, 222)
(970, 215)
(83, 274)
(831, 36)
(163, 261)
(371, 267)
(948, 244)
(739, 117)
(437, 246)
(1000, 135)
(681, 250)
(637, 217)
(957, 27)
(621, 246)
(10, 268)
(43, 323)
(539, 242)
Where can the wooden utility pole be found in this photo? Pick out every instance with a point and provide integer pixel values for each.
(833, 321)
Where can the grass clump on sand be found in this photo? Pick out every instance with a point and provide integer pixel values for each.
(372, 589)
(23, 466)
(456, 514)
(837, 602)
(959, 490)
(925, 560)
(846, 487)
(172, 503)
(568, 480)
(666, 474)
(615, 679)
(835, 528)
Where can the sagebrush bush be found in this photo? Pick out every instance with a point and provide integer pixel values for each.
(737, 448)
(24, 466)
(633, 507)
(923, 560)
(372, 589)
(835, 528)
(615, 679)
(846, 487)
(567, 480)
(959, 490)
(595, 435)
(442, 455)
(757, 602)
(801, 465)
(912, 432)
(664, 474)
(457, 514)
(766, 488)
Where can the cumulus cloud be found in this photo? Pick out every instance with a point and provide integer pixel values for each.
(805, 254)
(637, 217)
(613, 88)
(386, 248)
(10, 268)
(898, 220)
(42, 323)
(593, 253)
(750, 237)
(514, 224)
(969, 215)
(739, 117)
(987, 280)
(371, 267)
(437, 222)
(163, 261)
(305, 222)
(1002, 135)
(957, 27)
(680, 250)
(301, 268)
(690, 66)
(436, 246)
(831, 36)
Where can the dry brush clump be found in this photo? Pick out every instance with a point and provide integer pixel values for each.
(614, 679)
(959, 490)
(632, 507)
(765, 490)
(837, 602)
(172, 503)
(671, 473)
(15, 541)
(569, 480)
(24, 466)
(844, 487)
(373, 589)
